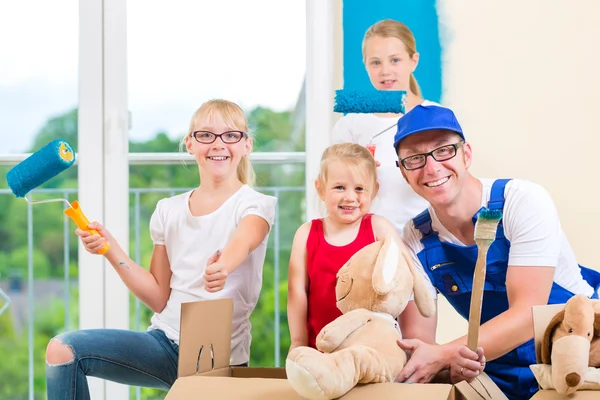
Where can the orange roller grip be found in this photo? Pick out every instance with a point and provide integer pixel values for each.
(75, 213)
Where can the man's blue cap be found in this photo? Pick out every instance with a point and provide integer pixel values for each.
(426, 118)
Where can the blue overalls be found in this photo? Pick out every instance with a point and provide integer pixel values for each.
(450, 268)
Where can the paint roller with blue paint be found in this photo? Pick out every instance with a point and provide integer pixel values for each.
(369, 102)
(41, 166)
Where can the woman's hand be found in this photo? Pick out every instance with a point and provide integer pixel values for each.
(94, 243)
(466, 365)
(215, 274)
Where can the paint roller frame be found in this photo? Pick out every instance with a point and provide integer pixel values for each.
(41, 166)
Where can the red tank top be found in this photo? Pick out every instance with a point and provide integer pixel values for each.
(323, 262)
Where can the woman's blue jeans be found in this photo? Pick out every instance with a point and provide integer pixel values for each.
(147, 359)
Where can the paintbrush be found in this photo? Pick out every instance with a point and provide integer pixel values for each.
(485, 234)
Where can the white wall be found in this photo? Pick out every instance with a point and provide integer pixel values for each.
(522, 77)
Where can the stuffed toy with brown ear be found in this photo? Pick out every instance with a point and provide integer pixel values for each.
(571, 343)
(372, 289)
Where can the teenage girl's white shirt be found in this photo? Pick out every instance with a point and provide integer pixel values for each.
(396, 201)
(190, 241)
(531, 224)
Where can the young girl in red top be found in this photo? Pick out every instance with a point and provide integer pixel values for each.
(347, 183)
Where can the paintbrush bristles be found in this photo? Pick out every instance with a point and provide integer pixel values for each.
(486, 230)
(487, 224)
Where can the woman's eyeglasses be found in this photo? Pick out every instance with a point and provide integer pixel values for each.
(228, 137)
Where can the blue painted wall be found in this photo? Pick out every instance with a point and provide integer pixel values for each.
(419, 15)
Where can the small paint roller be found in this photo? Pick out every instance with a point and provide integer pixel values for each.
(368, 102)
(40, 167)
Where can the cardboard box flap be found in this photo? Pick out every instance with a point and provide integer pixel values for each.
(542, 315)
(481, 388)
(195, 387)
(222, 388)
(377, 391)
(205, 336)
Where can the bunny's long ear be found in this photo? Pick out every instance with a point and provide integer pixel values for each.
(547, 339)
(423, 298)
(387, 268)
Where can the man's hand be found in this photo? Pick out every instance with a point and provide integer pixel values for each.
(215, 274)
(466, 365)
(425, 362)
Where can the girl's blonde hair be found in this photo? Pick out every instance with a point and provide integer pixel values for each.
(390, 28)
(356, 157)
(232, 115)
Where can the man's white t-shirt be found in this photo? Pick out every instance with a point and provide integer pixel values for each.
(531, 224)
(396, 201)
(191, 240)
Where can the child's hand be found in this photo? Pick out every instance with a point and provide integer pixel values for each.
(94, 243)
(215, 274)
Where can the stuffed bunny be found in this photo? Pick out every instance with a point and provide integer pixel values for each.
(571, 343)
(372, 289)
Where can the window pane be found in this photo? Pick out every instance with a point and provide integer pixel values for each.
(38, 93)
(183, 53)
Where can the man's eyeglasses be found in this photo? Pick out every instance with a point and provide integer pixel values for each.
(228, 137)
(443, 153)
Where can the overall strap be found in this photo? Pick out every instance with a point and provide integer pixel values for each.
(423, 224)
(497, 196)
(497, 202)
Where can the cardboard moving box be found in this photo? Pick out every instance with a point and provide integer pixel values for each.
(204, 371)
(541, 318)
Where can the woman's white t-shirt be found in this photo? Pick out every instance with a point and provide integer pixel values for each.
(190, 241)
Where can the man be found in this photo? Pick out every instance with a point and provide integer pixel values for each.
(530, 262)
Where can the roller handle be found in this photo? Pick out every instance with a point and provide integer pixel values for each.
(74, 212)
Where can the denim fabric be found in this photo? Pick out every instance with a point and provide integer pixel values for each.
(147, 359)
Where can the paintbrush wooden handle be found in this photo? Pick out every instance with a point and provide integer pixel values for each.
(477, 297)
